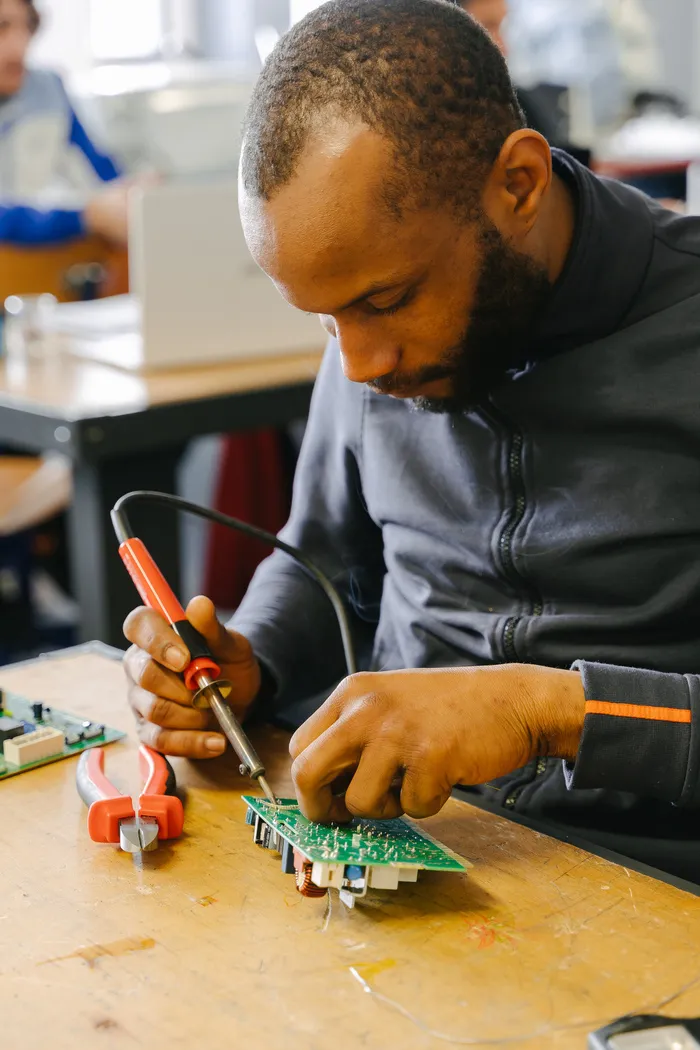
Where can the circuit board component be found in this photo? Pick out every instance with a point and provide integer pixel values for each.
(9, 728)
(32, 747)
(352, 858)
(33, 734)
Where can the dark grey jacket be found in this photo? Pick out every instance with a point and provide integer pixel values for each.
(559, 526)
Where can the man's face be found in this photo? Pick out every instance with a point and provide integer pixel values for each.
(423, 306)
(15, 37)
(491, 14)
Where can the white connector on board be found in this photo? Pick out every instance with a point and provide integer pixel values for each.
(42, 743)
(370, 876)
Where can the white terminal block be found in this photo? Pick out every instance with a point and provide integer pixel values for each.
(42, 743)
(388, 878)
(325, 875)
(378, 877)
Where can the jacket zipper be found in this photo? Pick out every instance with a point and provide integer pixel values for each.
(505, 549)
(505, 543)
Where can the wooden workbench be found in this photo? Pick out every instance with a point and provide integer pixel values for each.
(210, 946)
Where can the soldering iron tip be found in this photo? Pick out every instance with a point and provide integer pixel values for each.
(265, 787)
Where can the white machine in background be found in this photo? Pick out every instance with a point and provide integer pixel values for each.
(182, 119)
(197, 296)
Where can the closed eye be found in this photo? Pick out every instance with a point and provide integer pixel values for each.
(386, 311)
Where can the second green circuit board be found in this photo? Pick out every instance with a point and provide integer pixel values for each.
(33, 734)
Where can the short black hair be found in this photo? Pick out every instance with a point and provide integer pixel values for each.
(420, 72)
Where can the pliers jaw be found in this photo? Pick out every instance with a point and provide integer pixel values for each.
(139, 834)
(111, 815)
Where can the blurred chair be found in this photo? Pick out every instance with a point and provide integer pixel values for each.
(254, 485)
(33, 490)
(86, 268)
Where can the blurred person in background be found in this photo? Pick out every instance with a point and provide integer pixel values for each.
(539, 106)
(55, 184)
(601, 53)
(491, 14)
(604, 51)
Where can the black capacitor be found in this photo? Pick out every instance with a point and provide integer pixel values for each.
(37, 711)
(2, 700)
(261, 834)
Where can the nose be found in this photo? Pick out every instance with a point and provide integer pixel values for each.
(364, 355)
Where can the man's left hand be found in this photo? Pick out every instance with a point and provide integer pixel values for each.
(398, 741)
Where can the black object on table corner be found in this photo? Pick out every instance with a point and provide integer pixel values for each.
(647, 1032)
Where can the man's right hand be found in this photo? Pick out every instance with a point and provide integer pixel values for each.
(166, 719)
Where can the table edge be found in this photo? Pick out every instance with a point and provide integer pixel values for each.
(561, 834)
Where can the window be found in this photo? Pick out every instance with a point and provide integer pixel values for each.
(299, 8)
(126, 29)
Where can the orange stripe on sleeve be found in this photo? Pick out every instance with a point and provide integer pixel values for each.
(652, 714)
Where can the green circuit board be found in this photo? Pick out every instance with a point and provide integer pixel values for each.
(80, 732)
(391, 843)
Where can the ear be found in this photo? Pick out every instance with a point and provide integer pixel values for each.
(518, 182)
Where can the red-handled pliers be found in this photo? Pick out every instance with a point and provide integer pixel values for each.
(111, 815)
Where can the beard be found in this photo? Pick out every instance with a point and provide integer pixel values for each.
(511, 294)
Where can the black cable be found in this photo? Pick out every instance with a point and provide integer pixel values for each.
(122, 528)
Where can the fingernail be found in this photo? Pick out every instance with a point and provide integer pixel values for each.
(216, 744)
(175, 658)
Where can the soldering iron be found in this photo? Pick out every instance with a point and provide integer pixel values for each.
(203, 675)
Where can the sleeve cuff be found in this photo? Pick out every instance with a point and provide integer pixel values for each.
(639, 733)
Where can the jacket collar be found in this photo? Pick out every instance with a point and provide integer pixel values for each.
(607, 263)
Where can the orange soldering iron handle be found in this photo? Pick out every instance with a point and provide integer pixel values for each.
(157, 594)
(150, 581)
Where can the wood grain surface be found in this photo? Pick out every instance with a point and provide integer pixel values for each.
(209, 946)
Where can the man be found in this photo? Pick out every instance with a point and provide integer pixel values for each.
(500, 470)
(45, 152)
